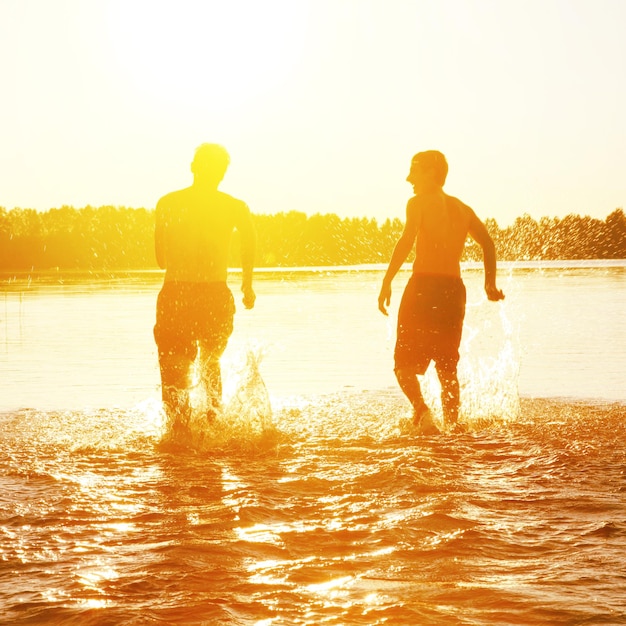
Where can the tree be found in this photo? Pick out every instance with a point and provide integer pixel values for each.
(121, 238)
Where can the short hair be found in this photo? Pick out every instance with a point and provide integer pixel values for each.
(431, 160)
(211, 157)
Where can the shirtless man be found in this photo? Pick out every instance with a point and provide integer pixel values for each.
(431, 312)
(195, 307)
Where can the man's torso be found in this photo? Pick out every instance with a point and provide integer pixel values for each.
(443, 225)
(195, 227)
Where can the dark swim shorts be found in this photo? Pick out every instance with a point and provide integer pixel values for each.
(189, 314)
(430, 323)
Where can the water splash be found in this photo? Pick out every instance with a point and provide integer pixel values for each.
(250, 402)
(488, 378)
(489, 390)
(244, 421)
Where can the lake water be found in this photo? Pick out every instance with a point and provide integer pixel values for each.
(309, 502)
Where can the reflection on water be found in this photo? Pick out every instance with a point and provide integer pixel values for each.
(307, 502)
(338, 520)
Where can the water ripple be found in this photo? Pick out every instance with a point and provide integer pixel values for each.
(335, 517)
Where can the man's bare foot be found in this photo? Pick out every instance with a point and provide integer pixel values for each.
(419, 413)
(456, 428)
(423, 421)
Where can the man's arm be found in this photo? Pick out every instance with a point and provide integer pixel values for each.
(247, 234)
(159, 235)
(479, 233)
(400, 253)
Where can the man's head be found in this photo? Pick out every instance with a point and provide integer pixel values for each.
(428, 168)
(210, 163)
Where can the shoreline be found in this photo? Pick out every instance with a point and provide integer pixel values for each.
(71, 275)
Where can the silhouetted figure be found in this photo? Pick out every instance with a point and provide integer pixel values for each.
(431, 312)
(195, 307)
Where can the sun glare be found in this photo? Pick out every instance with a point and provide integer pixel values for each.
(215, 54)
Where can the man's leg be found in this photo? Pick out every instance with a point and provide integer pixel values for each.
(409, 383)
(450, 394)
(211, 379)
(218, 310)
(175, 384)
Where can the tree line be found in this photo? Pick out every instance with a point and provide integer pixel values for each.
(121, 238)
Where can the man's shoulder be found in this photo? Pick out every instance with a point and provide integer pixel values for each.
(231, 200)
(425, 199)
(189, 198)
(233, 206)
(173, 197)
(457, 202)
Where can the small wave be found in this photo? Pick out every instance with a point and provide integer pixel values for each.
(609, 529)
(443, 522)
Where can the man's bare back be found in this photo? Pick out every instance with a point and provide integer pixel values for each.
(195, 307)
(442, 224)
(193, 233)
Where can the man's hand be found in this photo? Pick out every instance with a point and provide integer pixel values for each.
(384, 298)
(493, 293)
(249, 297)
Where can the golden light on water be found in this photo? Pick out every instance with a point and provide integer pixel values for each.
(94, 603)
(332, 590)
(374, 599)
(92, 577)
(122, 527)
(261, 533)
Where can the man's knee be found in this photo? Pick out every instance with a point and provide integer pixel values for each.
(175, 370)
(446, 370)
(405, 373)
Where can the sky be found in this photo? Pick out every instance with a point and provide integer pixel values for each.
(320, 103)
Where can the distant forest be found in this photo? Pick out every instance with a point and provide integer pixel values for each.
(121, 238)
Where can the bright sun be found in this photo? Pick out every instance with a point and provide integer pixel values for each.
(216, 53)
